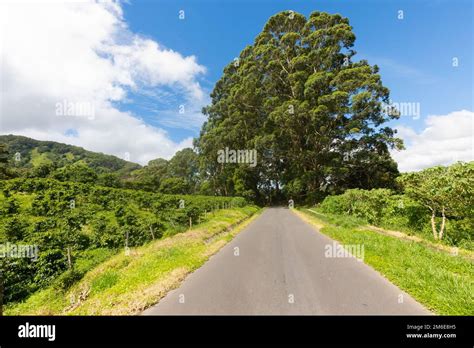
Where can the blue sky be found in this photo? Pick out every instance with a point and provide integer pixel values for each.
(415, 54)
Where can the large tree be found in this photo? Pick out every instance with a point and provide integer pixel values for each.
(314, 115)
(184, 165)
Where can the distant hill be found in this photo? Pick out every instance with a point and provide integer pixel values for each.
(22, 157)
(35, 153)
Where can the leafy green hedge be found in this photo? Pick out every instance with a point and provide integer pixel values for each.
(378, 207)
(70, 221)
(425, 194)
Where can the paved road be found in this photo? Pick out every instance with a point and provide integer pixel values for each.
(281, 268)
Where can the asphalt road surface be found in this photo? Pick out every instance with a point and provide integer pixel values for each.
(277, 265)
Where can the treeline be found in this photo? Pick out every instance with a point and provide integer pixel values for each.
(179, 175)
(437, 203)
(76, 226)
(22, 157)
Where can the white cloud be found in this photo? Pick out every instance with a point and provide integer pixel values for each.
(445, 140)
(83, 52)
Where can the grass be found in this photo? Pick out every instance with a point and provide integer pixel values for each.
(442, 282)
(128, 284)
(90, 258)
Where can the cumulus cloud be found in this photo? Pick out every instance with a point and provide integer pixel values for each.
(83, 54)
(445, 140)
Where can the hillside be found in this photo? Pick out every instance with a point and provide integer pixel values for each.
(29, 158)
(36, 154)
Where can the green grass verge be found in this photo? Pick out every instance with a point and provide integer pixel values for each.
(442, 282)
(128, 284)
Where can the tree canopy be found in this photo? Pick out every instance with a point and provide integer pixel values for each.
(315, 116)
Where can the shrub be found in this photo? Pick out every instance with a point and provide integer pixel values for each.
(437, 202)
(403, 211)
(49, 265)
(364, 204)
(67, 279)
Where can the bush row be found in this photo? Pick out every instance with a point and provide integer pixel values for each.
(67, 220)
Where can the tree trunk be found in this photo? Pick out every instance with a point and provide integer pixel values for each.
(433, 224)
(443, 223)
(69, 260)
(152, 233)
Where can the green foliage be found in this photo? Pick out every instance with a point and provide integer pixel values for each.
(47, 159)
(10, 206)
(184, 165)
(314, 116)
(153, 269)
(443, 188)
(41, 157)
(50, 264)
(18, 275)
(3, 161)
(79, 172)
(42, 170)
(368, 205)
(429, 197)
(180, 175)
(448, 192)
(109, 179)
(76, 224)
(104, 231)
(174, 186)
(67, 279)
(14, 228)
(3, 154)
(85, 262)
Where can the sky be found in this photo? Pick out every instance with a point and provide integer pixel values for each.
(130, 78)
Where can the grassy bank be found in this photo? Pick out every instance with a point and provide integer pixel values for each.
(127, 284)
(442, 282)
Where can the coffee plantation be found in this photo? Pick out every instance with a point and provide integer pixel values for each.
(76, 226)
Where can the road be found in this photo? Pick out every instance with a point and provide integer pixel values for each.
(277, 265)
